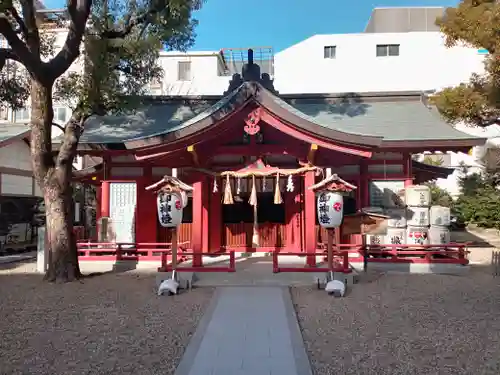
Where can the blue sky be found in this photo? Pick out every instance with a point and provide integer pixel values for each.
(281, 23)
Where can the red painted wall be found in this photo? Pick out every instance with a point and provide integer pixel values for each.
(207, 209)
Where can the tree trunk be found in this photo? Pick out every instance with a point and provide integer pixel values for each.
(61, 241)
(54, 178)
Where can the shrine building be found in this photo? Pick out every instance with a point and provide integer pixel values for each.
(250, 156)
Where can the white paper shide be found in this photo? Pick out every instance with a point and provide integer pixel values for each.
(170, 207)
(330, 209)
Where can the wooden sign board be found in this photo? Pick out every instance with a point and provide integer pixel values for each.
(364, 223)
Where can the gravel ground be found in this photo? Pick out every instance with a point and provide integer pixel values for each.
(109, 324)
(404, 324)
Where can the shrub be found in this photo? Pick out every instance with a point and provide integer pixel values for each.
(482, 208)
(479, 202)
(439, 196)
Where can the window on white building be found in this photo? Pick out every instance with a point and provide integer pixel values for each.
(184, 71)
(22, 115)
(61, 114)
(387, 50)
(329, 52)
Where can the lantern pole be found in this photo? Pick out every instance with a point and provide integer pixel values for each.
(174, 251)
(329, 249)
(255, 229)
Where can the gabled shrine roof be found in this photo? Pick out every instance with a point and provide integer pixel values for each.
(372, 119)
(9, 131)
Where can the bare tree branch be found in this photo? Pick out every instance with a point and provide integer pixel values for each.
(72, 132)
(30, 60)
(58, 126)
(79, 11)
(7, 54)
(32, 35)
(20, 21)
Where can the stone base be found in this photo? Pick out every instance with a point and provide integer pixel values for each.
(415, 268)
(349, 279)
(185, 279)
(118, 266)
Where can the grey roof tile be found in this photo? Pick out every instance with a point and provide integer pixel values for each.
(146, 121)
(9, 130)
(394, 120)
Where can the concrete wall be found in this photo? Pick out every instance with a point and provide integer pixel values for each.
(204, 79)
(424, 63)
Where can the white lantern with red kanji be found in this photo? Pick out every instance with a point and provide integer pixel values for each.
(330, 206)
(170, 207)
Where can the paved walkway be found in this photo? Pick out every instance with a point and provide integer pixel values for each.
(247, 331)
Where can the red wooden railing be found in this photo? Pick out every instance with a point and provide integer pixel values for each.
(105, 251)
(451, 253)
(162, 252)
(165, 267)
(340, 263)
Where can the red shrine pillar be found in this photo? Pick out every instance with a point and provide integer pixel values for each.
(146, 227)
(205, 202)
(104, 199)
(215, 220)
(199, 237)
(293, 221)
(310, 219)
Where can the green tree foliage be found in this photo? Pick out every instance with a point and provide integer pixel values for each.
(479, 200)
(475, 23)
(439, 196)
(118, 42)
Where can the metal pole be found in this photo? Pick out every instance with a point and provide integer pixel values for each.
(329, 249)
(174, 252)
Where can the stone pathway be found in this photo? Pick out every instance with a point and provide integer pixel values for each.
(483, 242)
(258, 271)
(247, 331)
